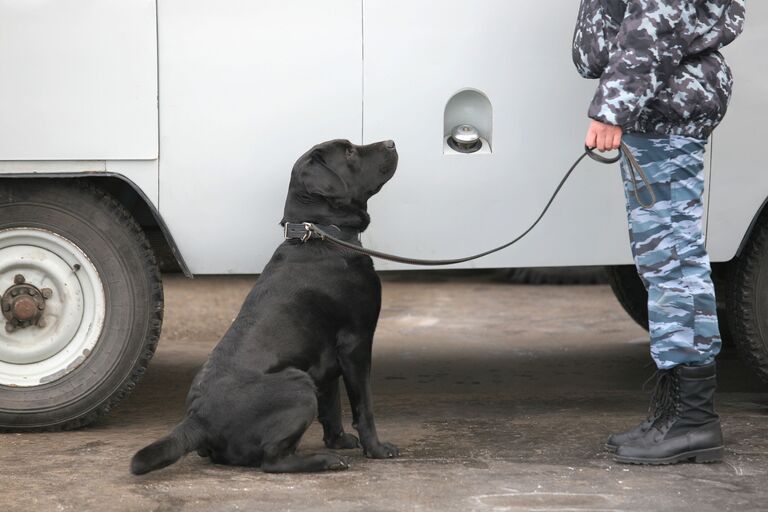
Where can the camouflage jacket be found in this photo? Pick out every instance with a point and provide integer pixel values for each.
(658, 62)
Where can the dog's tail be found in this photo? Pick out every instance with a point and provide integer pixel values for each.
(184, 438)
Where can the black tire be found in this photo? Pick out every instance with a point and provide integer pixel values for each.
(115, 244)
(748, 300)
(557, 275)
(630, 292)
(633, 297)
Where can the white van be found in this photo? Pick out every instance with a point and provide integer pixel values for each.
(141, 133)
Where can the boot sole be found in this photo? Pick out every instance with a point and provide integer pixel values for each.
(611, 447)
(696, 456)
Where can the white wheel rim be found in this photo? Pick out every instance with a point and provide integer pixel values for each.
(74, 314)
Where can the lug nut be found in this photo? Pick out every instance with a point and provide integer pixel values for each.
(18, 279)
(14, 292)
(47, 293)
(6, 307)
(9, 327)
(41, 323)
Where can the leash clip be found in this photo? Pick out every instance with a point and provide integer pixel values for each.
(309, 228)
(305, 231)
(298, 231)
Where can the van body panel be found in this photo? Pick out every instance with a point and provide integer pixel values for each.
(739, 184)
(79, 80)
(246, 87)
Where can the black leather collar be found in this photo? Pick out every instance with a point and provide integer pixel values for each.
(301, 231)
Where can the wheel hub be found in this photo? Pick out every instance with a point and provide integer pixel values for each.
(53, 307)
(23, 304)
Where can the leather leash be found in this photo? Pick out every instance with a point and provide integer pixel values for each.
(311, 229)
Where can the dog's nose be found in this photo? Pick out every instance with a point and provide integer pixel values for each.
(389, 144)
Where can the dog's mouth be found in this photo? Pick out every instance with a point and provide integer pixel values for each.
(389, 170)
(391, 157)
(386, 172)
(376, 190)
(390, 165)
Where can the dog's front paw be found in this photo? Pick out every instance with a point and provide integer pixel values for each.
(382, 451)
(343, 441)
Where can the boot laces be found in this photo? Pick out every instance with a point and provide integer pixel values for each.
(663, 404)
(665, 399)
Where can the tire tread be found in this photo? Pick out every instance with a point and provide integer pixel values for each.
(123, 216)
(741, 296)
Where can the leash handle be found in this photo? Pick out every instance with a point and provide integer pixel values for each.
(603, 159)
(312, 229)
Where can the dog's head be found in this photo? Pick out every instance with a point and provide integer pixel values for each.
(332, 182)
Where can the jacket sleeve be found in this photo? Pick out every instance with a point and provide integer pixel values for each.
(650, 45)
(592, 37)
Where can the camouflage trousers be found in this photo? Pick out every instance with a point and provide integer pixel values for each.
(668, 248)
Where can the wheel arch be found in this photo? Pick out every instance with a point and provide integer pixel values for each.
(130, 195)
(759, 214)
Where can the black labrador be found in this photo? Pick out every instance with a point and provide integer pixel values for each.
(309, 319)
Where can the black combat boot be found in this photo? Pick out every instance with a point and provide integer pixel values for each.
(664, 381)
(687, 428)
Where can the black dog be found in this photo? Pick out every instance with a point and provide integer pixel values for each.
(309, 319)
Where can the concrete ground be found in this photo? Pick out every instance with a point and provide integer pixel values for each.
(499, 396)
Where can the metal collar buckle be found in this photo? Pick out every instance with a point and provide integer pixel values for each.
(309, 231)
(305, 231)
(302, 231)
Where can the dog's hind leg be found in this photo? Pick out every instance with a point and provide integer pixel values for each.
(329, 414)
(305, 463)
(293, 409)
(280, 455)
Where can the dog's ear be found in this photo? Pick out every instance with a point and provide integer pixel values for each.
(321, 179)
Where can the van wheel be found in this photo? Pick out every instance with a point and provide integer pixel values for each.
(557, 275)
(748, 299)
(82, 304)
(631, 294)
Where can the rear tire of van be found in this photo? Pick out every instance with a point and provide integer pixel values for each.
(557, 275)
(748, 300)
(82, 303)
(630, 292)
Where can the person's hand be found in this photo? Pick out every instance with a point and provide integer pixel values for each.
(604, 137)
